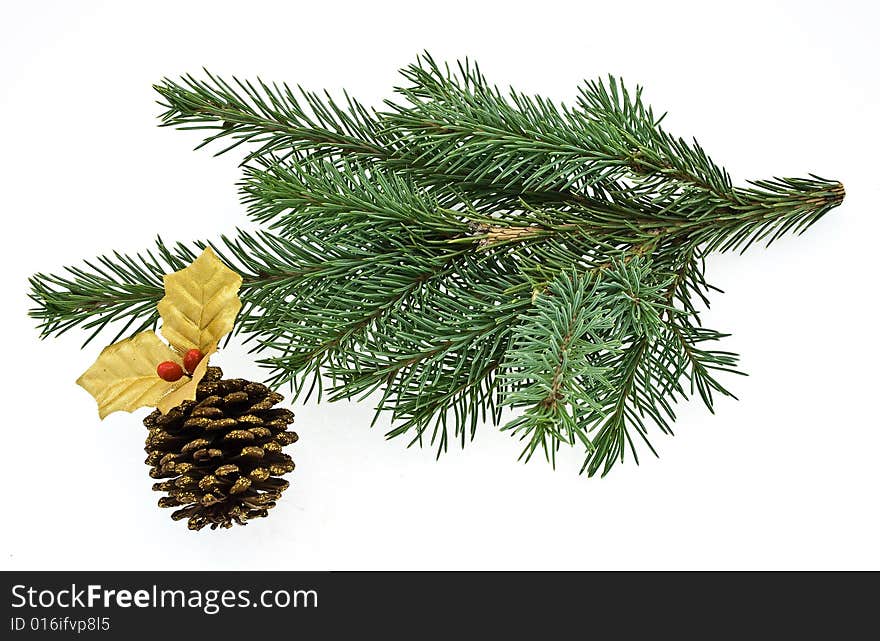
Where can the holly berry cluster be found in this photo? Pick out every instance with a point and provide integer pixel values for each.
(171, 371)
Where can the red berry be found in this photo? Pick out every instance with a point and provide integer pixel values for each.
(169, 371)
(192, 358)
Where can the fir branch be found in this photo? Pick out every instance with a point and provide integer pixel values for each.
(700, 363)
(437, 356)
(277, 121)
(464, 125)
(613, 436)
(464, 250)
(272, 117)
(315, 194)
(551, 365)
(111, 288)
(460, 130)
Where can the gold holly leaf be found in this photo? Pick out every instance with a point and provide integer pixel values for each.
(124, 375)
(200, 304)
(198, 309)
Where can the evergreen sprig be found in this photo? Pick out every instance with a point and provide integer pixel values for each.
(463, 250)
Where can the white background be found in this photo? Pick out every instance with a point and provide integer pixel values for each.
(785, 478)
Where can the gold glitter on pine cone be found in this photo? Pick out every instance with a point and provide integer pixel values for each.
(221, 454)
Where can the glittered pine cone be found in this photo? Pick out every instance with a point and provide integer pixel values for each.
(220, 455)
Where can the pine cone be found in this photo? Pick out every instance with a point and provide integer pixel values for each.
(221, 454)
